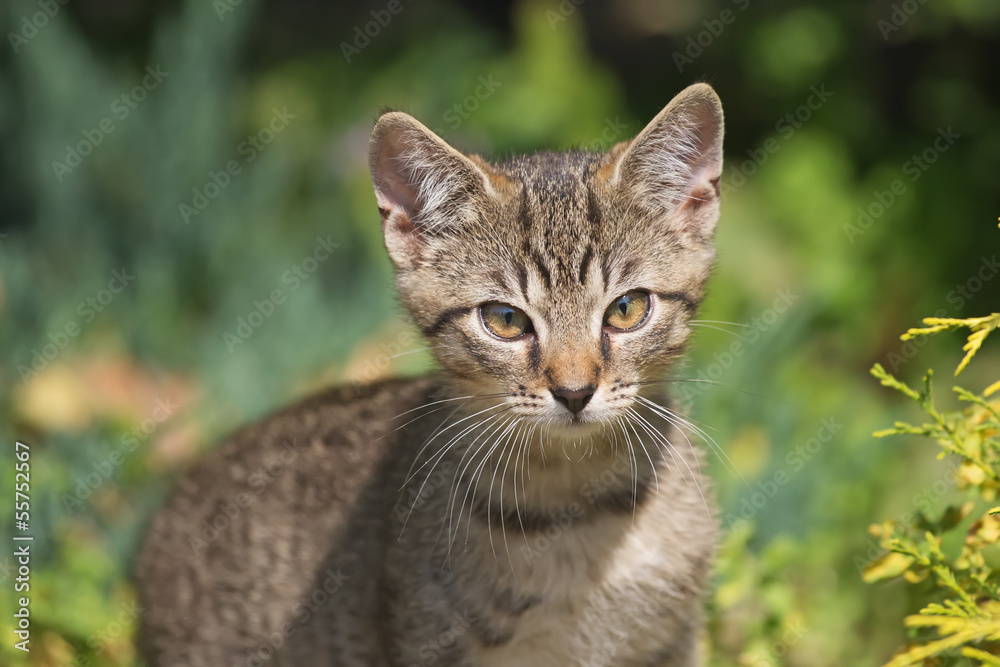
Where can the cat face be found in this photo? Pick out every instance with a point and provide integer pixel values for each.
(559, 284)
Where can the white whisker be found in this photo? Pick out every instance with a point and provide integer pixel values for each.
(735, 324)
(678, 421)
(710, 326)
(460, 471)
(430, 440)
(471, 487)
(439, 456)
(654, 431)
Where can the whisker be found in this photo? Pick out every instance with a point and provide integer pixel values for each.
(735, 324)
(470, 449)
(634, 472)
(686, 419)
(415, 350)
(439, 456)
(503, 522)
(659, 445)
(458, 481)
(652, 466)
(677, 420)
(701, 380)
(448, 400)
(419, 417)
(477, 476)
(669, 444)
(523, 455)
(679, 430)
(711, 326)
(429, 441)
(503, 475)
(433, 434)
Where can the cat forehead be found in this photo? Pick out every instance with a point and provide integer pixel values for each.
(555, 199)
(551, 176)
(553, 234)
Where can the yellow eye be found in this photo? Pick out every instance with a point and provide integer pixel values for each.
(505, 321)
(627, 311)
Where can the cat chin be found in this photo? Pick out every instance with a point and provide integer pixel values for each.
(575, 430)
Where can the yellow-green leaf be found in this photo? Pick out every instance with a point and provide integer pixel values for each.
(887, 567)
(982, 656)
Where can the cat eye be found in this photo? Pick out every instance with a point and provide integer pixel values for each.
(505, 321)
(627, 311)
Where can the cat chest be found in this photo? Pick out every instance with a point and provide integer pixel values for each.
(598, 598)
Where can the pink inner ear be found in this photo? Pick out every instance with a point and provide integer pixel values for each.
(701, 195)
(704, 187)
(402, 237)
(394, 189)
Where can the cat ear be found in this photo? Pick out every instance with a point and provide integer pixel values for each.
(673, 166)
(423, 186)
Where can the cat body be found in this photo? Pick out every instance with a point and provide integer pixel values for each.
(535, 502)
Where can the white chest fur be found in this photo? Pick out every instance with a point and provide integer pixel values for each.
(607, 589)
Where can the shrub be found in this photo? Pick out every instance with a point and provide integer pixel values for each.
(961, 615)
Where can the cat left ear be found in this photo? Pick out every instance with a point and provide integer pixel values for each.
(423, 185)
(673, 166)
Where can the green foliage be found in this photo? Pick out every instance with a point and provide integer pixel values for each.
(961, 615)
(757, 618)
(790, 225)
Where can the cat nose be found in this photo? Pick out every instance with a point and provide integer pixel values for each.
(575, 400)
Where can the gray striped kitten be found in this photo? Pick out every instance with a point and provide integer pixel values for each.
(533, 503)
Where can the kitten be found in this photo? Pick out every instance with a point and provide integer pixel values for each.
(533, 503)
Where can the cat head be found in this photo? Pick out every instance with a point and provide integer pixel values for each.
(557, 283)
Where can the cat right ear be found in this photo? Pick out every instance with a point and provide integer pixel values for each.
(423, 186)
(673, 166)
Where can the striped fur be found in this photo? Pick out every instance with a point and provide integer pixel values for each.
(470, 518)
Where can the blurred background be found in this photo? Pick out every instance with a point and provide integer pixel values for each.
(189, 239)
